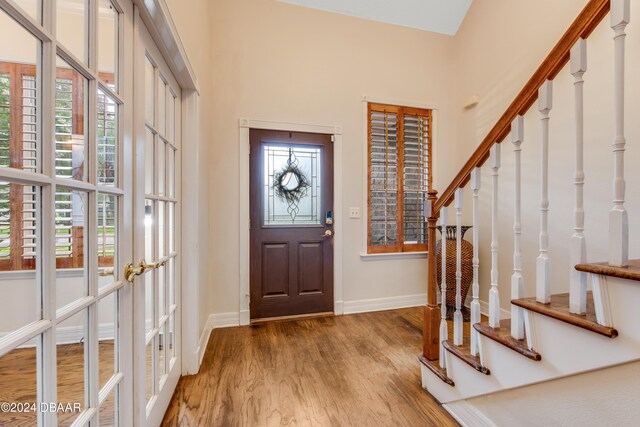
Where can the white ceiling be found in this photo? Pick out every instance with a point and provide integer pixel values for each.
(440, 16)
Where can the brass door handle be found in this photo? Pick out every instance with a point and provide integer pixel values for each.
(130, 272)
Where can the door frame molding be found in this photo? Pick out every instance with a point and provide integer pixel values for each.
(336, 131)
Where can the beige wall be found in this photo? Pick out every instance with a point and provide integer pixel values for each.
(277, 62)
(500, 44)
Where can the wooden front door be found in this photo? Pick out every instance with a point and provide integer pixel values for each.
(291, 202)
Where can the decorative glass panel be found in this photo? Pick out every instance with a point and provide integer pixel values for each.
(291, 185)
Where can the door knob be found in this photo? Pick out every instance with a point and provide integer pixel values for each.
(327, 233)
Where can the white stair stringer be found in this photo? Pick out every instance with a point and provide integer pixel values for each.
(565, 350)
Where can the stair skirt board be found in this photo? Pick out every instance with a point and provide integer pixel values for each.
(468, 415)
(616, 397)
(566, 350)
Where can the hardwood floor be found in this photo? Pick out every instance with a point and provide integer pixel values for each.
(354, 370)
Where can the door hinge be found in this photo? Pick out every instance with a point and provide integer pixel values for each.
(333, 138)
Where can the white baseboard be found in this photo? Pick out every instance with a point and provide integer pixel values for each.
(224, 320)
(216, 321)
(380, 304)
(467, 414)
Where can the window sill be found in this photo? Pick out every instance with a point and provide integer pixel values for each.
(393, 255)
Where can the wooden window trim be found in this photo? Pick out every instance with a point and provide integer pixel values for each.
(16, 71)
(401, 112)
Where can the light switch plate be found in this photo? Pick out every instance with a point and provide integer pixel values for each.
(354, 212)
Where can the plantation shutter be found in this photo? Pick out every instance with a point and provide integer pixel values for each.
(399, 176)
(18, 148)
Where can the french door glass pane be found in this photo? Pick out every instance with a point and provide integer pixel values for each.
(108, 43)
(107, 238)
(161, 230)
(108, 337)
(71, 25)
(149, 163)
(149, 370)
(149, 91)
(18, 383)
(71, 241)
(172, 338)
(162, 289)
(172, 227)
(171, 273)
(19, 99)
(107, 139)
(171, 117)
(19, 240)
(171, 170)
(31, 7)
(71, 129)
(160, 166)
(109, 410)
(162, 106)
(161, 366)
(71, 336)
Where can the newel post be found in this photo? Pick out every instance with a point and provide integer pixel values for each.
(430, 348)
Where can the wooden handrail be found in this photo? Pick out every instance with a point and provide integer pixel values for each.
(592, 14)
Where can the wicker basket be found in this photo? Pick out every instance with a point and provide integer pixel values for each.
(467, 267)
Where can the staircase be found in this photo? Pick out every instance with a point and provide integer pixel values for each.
(593, 323)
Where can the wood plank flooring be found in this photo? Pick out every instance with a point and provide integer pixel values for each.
(355, 370)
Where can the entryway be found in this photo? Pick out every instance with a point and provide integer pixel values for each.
(291, 223)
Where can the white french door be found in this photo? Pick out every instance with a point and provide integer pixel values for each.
(90, 132)
(157, 340)
(66, 204)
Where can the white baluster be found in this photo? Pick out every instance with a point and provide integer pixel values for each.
(618, 218)
(578, 244)
(517, 281)
(457, 317)
(543, 265)
(494, 296)
(475, 303)
(444, 330)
